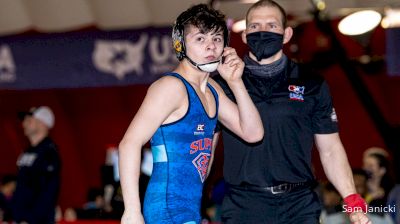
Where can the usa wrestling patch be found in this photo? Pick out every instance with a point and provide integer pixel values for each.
(296, 93)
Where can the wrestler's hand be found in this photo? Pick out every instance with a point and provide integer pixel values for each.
(231, 68)
(359, 218)
(130, 218)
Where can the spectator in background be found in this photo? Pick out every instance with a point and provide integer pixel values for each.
(380, 191)
(146, 168)
(394, 201)
(95, 199)
(7, 188)
(332, 210)
(94, 208)
(113, 202)
(377, 150)
(70, 215)
(379, 181)
(333, 207)
(38, 179)
(110, 178)
(376, 216)
(360, 181)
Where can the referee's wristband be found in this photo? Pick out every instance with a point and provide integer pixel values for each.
(355, 203)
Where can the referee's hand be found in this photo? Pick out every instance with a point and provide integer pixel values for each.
(359, 218)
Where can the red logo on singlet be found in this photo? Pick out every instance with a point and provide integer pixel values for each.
(201, 164)
(201, 144)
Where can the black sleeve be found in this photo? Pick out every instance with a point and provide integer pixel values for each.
(324, 120)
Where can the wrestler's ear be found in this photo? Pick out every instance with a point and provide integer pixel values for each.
(287, 35)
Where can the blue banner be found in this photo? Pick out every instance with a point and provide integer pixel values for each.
(393, 51)
(85, 59)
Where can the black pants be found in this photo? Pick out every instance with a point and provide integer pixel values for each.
(258, 207)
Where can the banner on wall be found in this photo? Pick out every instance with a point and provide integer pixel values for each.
(393, 51)
(85, 59)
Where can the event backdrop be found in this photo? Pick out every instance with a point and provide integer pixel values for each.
(85, 59)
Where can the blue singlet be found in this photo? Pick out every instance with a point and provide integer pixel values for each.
(181, 153)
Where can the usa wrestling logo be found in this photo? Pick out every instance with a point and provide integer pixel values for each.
(296, 93)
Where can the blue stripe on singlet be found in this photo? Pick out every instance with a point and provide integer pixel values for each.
(159, 153)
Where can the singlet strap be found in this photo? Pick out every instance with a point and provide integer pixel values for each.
(189, 89)
(192, 93)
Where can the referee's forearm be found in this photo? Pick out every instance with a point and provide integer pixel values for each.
(338, 171)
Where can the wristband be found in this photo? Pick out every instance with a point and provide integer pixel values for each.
(355, 203)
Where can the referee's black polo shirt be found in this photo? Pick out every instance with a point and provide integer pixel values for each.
(294, 106)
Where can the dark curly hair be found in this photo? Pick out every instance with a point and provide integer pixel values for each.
(204, 18)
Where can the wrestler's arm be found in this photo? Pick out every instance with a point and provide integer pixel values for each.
(337, 168)
(241, 118)
(159, 104)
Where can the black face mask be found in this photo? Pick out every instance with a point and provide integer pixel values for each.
(264, 44)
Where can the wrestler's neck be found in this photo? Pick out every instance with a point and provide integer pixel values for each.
(192, 74)
(269, 60)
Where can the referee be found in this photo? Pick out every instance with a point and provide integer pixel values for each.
(271, 181)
